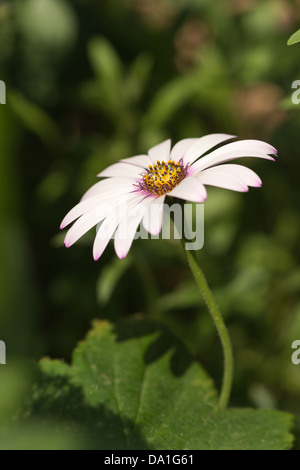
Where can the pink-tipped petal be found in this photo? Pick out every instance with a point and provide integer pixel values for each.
(93, 202)
(84, 224)
(93, 217)
(202, 145)
(127, 228)
(228, 182)
(246, 175)
(230, 176)
(243, 148)
(160, 152)
(77, 211)
(110, 223)
(190, 189)
(152, 220)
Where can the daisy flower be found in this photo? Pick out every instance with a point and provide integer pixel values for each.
(134, 189)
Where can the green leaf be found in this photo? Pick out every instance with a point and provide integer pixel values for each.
(138, 76)
(108, 89)
(105, 61)
(131, 387)
(109, 278)
(34, 118)
(294, 38)
(169, 99)
(185, 295)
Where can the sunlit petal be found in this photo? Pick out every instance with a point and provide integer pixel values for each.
(190, 189)
(160, 152)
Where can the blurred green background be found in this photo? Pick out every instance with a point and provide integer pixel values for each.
(90, 82)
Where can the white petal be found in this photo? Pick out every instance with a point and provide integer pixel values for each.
(243, 148)
(91, 203)
(139, 160)
(109, 184)
(160, 152)
(85, 206)
(93, 217)
(180, 148)
(202, 145)
(228, 181)
(243, 174)
(110, 224)
(127, 228)
(190, 189)
(122, 169)
(153, 218)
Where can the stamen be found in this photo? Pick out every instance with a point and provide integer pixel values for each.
(162, 177)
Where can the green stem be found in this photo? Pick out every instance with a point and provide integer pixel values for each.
(220, 325)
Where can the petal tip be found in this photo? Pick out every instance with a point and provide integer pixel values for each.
(155, 233)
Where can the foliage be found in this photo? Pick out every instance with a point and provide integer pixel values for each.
(294, 38)
(143, 392)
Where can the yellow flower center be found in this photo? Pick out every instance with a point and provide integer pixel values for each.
(161, 178)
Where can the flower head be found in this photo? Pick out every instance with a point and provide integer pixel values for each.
(134, 189)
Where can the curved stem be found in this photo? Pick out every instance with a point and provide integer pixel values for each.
(220, 325)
